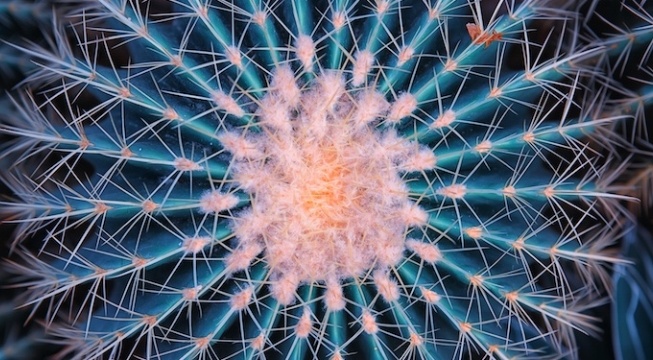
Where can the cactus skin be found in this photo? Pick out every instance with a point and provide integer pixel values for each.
(13, 347)
(147, 248)
(20, 22)
(632, 311)
(17, 341)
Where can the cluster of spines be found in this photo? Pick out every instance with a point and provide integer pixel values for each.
(625, 29)
(165, 121)
(627, 64)
(22, 23)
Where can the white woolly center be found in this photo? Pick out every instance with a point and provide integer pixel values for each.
(328, 201)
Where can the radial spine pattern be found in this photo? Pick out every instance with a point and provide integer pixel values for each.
(296, 179)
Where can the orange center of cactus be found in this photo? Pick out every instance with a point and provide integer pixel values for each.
(327, 198)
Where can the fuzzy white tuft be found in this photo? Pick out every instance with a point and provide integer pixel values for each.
(328, 200)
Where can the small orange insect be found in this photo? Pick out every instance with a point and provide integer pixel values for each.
(480, 37)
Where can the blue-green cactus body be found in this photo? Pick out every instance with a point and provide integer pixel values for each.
(21, 22)
(482, 268)
(13, 346)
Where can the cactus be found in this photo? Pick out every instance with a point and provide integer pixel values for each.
(251, 179)
(21, 22)
(625, 29)
(632, 311)
(19, 342)
(628, 65)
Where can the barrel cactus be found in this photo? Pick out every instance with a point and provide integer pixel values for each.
(329, 179)
(625, 28)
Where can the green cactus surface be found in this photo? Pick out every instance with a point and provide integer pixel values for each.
(296, 179)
